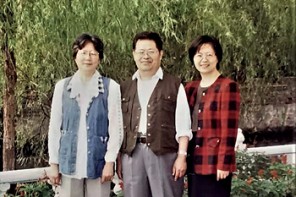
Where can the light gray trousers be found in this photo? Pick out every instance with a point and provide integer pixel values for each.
(71, 187)
(148, 175)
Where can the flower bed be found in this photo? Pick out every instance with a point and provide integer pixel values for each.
(262, 175)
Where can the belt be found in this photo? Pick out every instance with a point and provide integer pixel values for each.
(142, 140)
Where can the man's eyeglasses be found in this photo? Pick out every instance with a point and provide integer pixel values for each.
(89, 53)
(143, 52)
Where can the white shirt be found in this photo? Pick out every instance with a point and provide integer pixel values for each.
(182, 116)
(84, 94)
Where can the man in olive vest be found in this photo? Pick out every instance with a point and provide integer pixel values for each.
(157, 125)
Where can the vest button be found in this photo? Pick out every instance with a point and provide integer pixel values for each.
(148, 134)
(88, 152)
(149, 114)
(148, 105)
(203, 93)
(148, 124)
(198, 128)
(148, 144)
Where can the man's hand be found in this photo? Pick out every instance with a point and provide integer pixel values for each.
(179, 167)
(222, 174)
(108, 172)
(54, 175)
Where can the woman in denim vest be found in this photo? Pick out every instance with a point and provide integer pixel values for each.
(85, 130)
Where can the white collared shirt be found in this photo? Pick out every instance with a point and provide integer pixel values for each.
(182, 116)
(83, 94)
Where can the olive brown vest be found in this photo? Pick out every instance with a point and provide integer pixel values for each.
(161, 109)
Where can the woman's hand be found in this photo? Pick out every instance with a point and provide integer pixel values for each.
(108, 172)
(222, 174)
(54, 175)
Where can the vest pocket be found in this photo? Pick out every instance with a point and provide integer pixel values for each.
(168, 104)
(99, 144)
(65, 150)
(213, 142)
(168, 136)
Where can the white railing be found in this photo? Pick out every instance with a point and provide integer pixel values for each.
(35, 174)
(289, 150)
(20, 176)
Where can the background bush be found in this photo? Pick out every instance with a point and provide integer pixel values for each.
(258, 39)
(263, 176)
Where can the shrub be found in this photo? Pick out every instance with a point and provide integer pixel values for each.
(262, 175)
(37, 189)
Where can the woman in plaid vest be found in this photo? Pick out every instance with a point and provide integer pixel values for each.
(214, 102)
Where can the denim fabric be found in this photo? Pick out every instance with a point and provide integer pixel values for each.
(97, 132)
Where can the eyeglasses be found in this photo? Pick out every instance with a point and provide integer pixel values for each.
(206, 55)
(148, 52)
(89, 53)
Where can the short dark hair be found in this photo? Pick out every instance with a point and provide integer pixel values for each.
(148, 35)
(84, 38)
(205, 39)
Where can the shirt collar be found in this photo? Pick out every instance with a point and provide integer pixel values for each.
(158, 74)
(95, 85)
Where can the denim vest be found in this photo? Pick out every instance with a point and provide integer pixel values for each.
(97, 132)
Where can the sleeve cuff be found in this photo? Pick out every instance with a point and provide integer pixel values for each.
(186, 133)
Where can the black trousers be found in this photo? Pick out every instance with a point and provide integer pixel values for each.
(208, 186)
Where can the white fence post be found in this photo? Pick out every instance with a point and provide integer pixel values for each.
(3, 188)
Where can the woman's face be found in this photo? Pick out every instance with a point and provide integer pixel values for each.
(205, 60)
(87, 58)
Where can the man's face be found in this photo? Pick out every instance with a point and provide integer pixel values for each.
(147, 57)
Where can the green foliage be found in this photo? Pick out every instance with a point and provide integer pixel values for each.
(258, 175)
(250, 31)
(38, 189)
(258, 38)
(31, 148)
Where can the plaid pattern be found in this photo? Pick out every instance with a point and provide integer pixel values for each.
(217, 125)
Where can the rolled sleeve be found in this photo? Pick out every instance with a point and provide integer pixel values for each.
(183, 119)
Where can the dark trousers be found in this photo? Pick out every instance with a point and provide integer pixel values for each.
(208, 186)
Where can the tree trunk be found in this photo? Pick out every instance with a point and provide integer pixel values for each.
(9, 100)
(9, 109)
